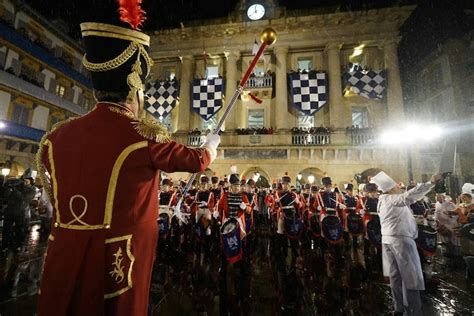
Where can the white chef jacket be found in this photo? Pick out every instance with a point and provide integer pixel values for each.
(396, 216)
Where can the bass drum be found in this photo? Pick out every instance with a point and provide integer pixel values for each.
(293, 223)
(163, 224)
(427, 240)
(332, 229)
(231, 241)
(355, 226)
(374, 231)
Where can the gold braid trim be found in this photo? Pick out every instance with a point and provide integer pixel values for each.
(113, 63)
(39, 164)
(152, 130)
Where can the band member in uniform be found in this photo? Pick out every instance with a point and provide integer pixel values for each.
(370, 218)
(102, 173)
(217, 190)
(166, 200)
(353, 224)
(400, 256)
(290, 225)
(232, 207)
(203, 204)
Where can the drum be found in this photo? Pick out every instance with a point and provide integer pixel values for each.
(427, 240)
(374, 231)
(332, 229)
(293, 223)
(163, 224)
(355, 225)
(231, 241)
(315, 225)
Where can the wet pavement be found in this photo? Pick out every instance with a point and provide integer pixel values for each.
(186, 284)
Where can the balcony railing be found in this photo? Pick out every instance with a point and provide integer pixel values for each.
(260, 82)
(319, 139)
(196, 140)
(20, 131)
(362, 138)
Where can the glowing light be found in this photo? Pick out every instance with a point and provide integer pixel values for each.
(311, 179)
(2, 125)
(411, 134)
(299, 176)
(5, 171)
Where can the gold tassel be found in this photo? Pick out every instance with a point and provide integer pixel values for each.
(152, 130)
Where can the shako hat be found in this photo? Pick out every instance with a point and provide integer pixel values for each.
(214, 178)
(204, 179)
(117, 55)
(326, 181)
(286, 178)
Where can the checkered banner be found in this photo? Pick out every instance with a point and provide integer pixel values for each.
(308, 91)
(161, 97)
(370, 84)
(207, 96)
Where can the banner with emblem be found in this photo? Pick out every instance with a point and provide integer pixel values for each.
(370, 84)
(207, 96)
(308, 91)
(161, 97)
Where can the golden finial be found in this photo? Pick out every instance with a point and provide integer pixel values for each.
(268, 36)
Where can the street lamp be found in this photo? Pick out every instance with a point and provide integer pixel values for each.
(299, 176)
(311, 179)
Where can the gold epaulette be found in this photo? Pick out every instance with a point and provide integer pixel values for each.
(39, 154)
(152, 130)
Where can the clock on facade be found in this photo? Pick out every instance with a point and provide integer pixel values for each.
(256, 12)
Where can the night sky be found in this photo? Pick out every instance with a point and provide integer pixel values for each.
(165, 14)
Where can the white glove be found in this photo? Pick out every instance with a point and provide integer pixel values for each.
(243, 206)
(203, 203)
(215, 214)
(212, 141)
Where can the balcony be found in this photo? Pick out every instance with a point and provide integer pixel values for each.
(10, 35)
(318, 139)
(12, 129)
(360, 138)
(260, 82)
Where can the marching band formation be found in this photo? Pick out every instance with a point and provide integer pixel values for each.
(229, 217)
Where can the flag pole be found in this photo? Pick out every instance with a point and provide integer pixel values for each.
(268, 37)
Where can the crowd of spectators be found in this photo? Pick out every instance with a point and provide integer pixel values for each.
(310, 131)
(254, 131)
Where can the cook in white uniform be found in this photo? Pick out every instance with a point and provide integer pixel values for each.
(401, 261)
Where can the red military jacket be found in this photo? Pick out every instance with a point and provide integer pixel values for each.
(223, 206)
(104, 179)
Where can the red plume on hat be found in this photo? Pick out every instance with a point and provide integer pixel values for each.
(131, 12)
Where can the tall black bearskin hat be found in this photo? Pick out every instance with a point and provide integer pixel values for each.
(286, 178)
(214, 178)
(204, 179)
(326, 181)
(348, 186)
(371, 187)
(234, 179)
(117, 55)
(166, 182)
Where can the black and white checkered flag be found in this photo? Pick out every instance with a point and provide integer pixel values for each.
(370, 84)
(308, 91)
(161, 97)
(207, 96)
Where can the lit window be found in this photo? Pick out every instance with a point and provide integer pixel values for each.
(259, 69)
(60, 90)
(305, 64)
(256, 118)
(305, 121)
(360, 117)
(212, 72)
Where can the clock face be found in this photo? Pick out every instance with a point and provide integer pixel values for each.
(256, 12)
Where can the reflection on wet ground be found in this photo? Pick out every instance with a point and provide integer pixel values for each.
(181, 285)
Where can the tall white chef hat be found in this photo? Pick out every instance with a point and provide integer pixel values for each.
(383, 181)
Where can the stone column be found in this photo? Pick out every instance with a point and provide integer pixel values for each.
(233, 121)
(336, 102)
(394, 87)
(281, 94)
(184, 108)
